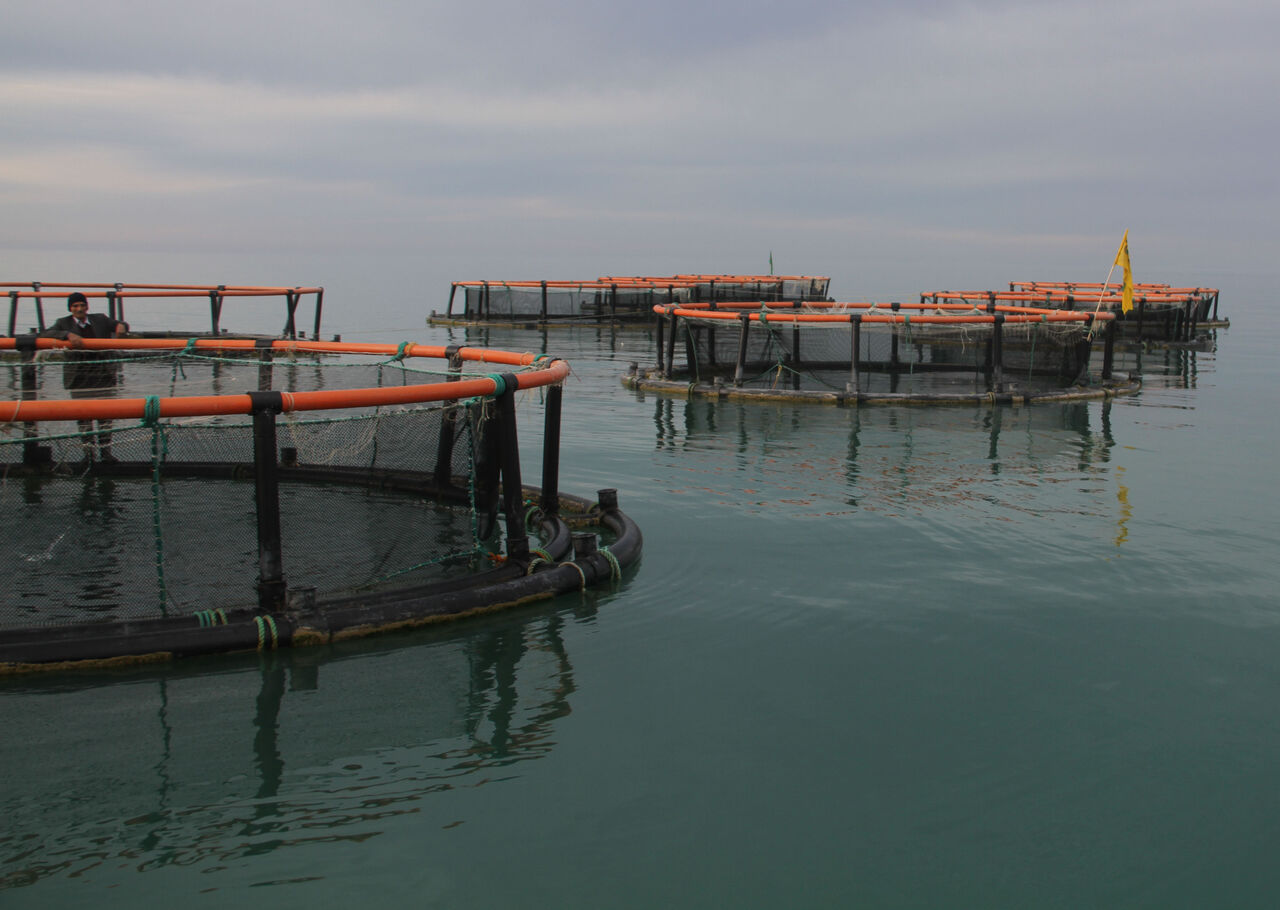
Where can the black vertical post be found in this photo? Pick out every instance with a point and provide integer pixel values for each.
(997, 353)
(271, 581)
(265, 365)
(453, 289)
(855, 349)
(613, 302)
(691, 351)
(448, 425)
(551, 451)
(13, 314)
(512, 490)
(671, 345)
(291, 309)
(215, 308)
(486, 468)
(35, 286)
(543, 308)
(484, 302)
(119, 313)
(661, 350)
(893, 338)
(744, 333)
(319, 304)
(1108, 351)
(26, 345)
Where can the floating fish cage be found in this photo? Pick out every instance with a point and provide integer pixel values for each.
(115, 296)
(240, 494)
(614, 299)
(865, 353)
(1159, 312)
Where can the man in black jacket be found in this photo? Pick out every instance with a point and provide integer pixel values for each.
(89, 374)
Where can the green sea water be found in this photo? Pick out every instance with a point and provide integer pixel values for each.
(888, 657)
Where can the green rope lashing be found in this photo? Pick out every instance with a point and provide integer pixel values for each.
(151, 411)
(499, 384)
(401, 350)
(265, 623)
(615, 569)
(210, 618)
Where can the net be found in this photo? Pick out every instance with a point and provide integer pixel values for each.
(280, 485)
(1158, 311)
(614, 298)
(868, 351)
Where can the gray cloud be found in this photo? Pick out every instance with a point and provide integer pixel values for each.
(891, 141)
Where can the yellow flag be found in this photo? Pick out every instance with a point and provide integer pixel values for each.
(1122, 259)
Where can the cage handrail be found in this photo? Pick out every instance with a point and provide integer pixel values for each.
(212, 405)
(731, 311)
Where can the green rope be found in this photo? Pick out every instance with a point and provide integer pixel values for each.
(151, 411)
(209, 618)
(615, 570)
(264, 623)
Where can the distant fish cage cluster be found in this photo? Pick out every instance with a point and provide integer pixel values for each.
(612, 299)
(1159, 311)
(863, 353)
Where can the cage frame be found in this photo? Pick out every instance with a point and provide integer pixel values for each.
(664, 378)
(570, 558)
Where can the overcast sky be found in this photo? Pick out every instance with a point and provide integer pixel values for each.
(895, 146)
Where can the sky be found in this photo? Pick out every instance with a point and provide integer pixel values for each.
(385, 148)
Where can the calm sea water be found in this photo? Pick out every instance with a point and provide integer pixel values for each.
(909, 657)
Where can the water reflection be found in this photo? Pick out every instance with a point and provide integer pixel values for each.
(826, 460)
(207, 763)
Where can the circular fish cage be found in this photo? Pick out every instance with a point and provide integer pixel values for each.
(613, 300)
(171, 302)
(220, 495)
(883, 353)
(1157, 312)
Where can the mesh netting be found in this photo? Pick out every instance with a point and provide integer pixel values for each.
(901, 357)
(125, 519)
(618, 298)
(513, 302)
(1156, 310)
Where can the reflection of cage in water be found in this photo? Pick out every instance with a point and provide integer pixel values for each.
(613, 298)
(168, 524)
(881, 352)
(1159, 312)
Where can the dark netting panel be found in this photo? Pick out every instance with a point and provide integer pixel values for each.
(174, 530)
(897, 357)
(499, 303)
